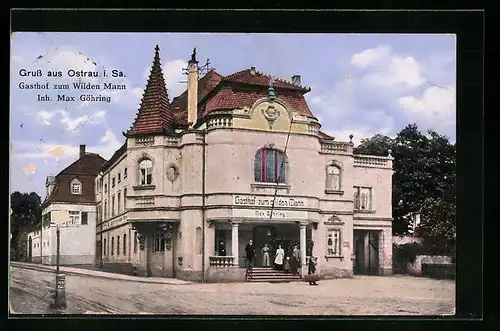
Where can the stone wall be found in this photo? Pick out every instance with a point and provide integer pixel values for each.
(221, 275)
(415, 268)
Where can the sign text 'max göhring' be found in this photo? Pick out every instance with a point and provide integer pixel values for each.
(266, 204)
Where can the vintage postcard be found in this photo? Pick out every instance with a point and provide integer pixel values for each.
(232, 173)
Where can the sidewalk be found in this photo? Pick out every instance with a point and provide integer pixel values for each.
(99, 274)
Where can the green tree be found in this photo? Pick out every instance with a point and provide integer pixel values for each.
(424, 173)
(25, 212)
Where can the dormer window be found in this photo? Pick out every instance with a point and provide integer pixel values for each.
(76, 186)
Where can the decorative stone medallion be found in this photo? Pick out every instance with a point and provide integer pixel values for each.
(271, 114)
(172, 172)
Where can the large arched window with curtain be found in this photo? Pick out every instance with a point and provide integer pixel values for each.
(270, 166)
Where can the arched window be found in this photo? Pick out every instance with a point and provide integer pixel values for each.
(199, 246)
(333, 177)
(270, 166)
(124, 244)
(146, 172)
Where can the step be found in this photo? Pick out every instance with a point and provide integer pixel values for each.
(263, 280)
(273, 276)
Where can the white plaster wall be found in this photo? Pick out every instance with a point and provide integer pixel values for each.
(74, 239)
(380, 180)
(129, 255)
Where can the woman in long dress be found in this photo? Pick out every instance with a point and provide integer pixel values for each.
(266, 262)
(278, 261)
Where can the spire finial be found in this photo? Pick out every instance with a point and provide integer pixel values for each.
(270, 92)
(350, 138)
(193, 56)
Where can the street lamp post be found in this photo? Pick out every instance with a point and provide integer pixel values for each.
(60, 293)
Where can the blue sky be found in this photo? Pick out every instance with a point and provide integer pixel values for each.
(361, 84)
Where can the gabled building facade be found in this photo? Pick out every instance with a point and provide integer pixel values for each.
(232, 159)
(69, 203)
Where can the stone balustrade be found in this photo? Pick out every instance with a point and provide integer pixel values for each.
(336, 147)
(144, 141)
(219, 122)
(221, 261)
(372, 161)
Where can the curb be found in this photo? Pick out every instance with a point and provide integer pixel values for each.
(73, 273)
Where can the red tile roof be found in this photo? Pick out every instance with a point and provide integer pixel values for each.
(215, 92)
(85, 169)
(154, 115)
(230, 98)
(251, 77)
(323, 135)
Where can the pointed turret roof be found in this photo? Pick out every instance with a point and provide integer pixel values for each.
(155, 114)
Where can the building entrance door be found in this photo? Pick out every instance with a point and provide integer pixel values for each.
(366, 252)
(30, 249)
(262, 235)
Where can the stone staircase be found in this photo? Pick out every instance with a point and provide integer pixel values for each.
(270, 275)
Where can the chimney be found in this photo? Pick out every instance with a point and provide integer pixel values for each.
(192, 90)
(82, 151)
(296, 80)
(252, 70)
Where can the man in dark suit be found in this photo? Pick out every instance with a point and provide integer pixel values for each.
(250, 252)
(222, 249)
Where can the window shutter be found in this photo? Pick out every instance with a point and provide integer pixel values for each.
(258, 167)
(371, 197)
(84, 217)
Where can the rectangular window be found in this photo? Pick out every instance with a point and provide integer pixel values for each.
(113, 206)
(333, 242)
(146, 178)
(125, 173)
(118, 245)
(135, 242)
(159, 242)
(105, 188)
(125, 198)
(124, 244)
(362, 198)
(333, 178)
(74, 217)
(104, 246)
(113, 182)
(85, 216)
(112, 245)
(76, 188)
(105, 210)
(119, 177)
(118, 201)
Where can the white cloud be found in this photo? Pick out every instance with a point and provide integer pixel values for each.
(435, 108)
(109, 143)
(400, 74)
(369, 56)
(174, 77)
(383, 68)
(71, 124)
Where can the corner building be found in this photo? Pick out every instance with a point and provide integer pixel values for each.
(206, 166)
